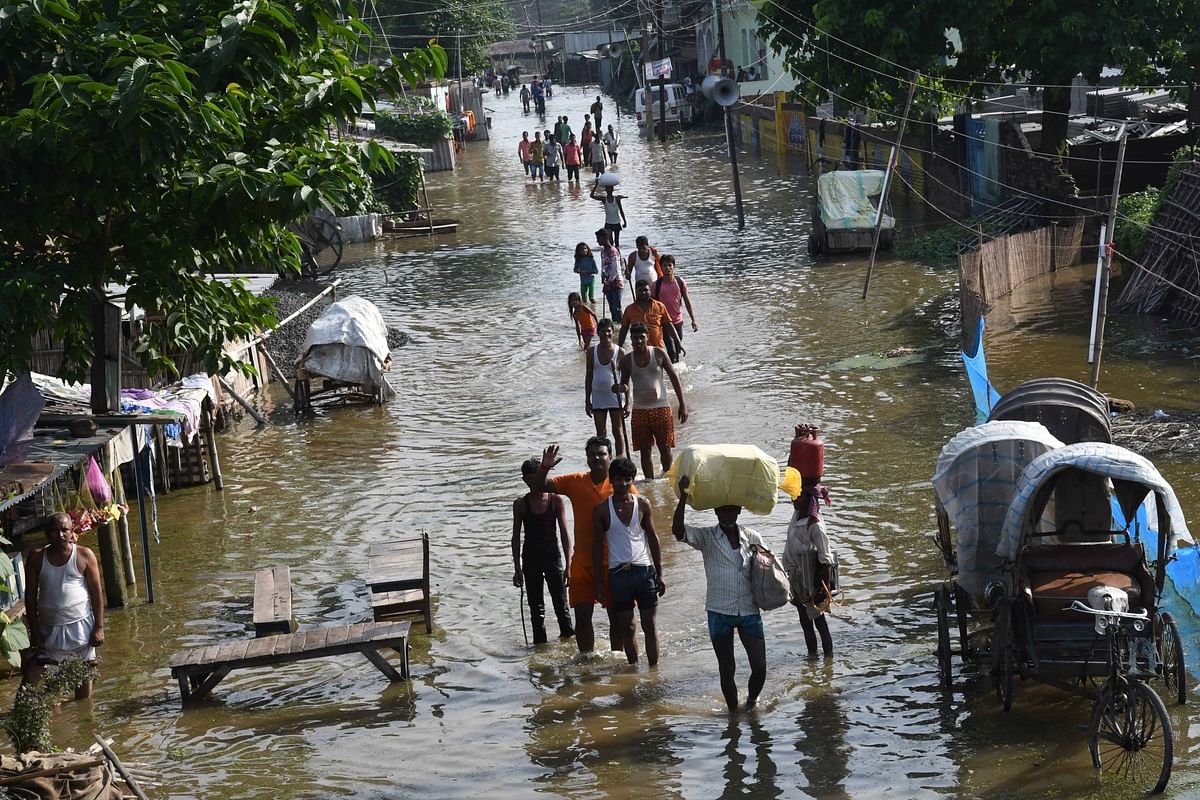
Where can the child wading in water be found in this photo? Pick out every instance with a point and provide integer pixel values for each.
(584, 318)
(808, 560)
(539, 559)
(585, 265)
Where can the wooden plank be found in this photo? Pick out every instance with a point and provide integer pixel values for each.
(397, 598)
(237, 650)
(316, 639)
(208, 654)
(260, 648)
(337, 636)
(396, 544)
(185, 657)
(354, 633)
(264, 594)
(283, 592)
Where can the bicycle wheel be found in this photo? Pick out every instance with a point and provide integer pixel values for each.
(1130, 735)
(941, 602)
(1170, 645)
(1003, 655)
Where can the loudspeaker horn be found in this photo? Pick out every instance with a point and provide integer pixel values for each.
(614, 49)
(721, 90)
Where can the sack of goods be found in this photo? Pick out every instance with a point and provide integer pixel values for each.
(608, 179)
(727, 475)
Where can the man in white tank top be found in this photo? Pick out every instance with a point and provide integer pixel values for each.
(646, 369)
(624, 523)
(63, 604)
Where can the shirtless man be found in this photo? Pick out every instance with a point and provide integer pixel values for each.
(62, 603)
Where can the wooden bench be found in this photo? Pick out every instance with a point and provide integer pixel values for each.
(273, 600)
(200, 669)
(398, 579)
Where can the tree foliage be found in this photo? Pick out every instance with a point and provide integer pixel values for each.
(153, 144)
(474, 25)
(862, 50)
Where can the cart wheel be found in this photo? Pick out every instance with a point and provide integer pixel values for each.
(941, 603)
(962, 605)
(1004, 679)
(1171, 657)
(1130, 734)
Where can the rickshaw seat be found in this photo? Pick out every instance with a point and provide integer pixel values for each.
(1056, 574)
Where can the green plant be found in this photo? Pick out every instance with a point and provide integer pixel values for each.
(938, 247)
(396, 190)
(29, 723)
(1134, 213)
(424, 128)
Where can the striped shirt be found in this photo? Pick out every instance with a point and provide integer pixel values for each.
(726, 569)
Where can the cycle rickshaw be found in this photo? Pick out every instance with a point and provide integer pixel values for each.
(1057, 557)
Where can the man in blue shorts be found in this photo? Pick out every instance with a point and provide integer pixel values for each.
(623, 523)
(729, 600)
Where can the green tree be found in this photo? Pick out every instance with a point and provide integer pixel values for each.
(152, 144)
(860, 50)
(473, 24)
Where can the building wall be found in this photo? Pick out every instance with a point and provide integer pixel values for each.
(744, 47)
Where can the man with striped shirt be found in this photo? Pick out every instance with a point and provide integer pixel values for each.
(729, 599)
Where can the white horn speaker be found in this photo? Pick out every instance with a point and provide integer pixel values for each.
(721, 90)
(614, 49)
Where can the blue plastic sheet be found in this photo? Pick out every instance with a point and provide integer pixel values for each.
(977, 375)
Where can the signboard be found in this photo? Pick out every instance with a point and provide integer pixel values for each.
(658, 69)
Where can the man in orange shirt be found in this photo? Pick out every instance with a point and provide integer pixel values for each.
(585, 490)
(653, 315)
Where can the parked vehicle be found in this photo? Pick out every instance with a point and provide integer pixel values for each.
(844, 209)
(679, 108)
(1057, 556)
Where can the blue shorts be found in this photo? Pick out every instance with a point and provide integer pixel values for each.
(722, 625)
(629, 583)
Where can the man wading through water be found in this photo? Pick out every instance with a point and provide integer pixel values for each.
(624, 523)
(539, 560)
(647, 369)
(585, 490)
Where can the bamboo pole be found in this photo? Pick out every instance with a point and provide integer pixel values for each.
(887, 181)
(120, 768)
(243, 402)
(1102, 316)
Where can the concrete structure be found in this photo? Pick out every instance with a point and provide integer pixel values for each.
(745, 47)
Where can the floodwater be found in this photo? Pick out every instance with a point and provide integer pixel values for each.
(491, 375)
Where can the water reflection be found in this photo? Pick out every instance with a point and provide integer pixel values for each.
(824, 754)
(759, 780)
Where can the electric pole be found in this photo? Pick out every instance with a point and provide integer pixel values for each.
(737, 183)
(537, 40)
(1102, 289)
(662, 80)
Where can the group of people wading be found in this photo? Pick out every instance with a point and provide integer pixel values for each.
(614, 558)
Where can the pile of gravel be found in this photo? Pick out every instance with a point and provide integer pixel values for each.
(285, 342)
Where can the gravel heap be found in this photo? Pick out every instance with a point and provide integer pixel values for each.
(285, 343)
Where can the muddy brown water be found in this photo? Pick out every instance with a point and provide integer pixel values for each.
(490, 376)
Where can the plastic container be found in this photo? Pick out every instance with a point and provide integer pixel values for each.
(807, 455)
(727, 475)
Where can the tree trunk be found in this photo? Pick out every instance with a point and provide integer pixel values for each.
(1056, 105)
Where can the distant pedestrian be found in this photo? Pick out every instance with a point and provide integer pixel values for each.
(624, 526)
(553, 157)
(600, 401)
(586, 135)
(644, 370)
(584, 318)
(539, 562)
(597, 110)
(567, 133)
(537, 157)
(585, 267)
(729, 597)
(610, 272)
(672, 292)
(612, 140)
(523, 147)
(572, 157)
(548, 86)
(597, 157)
(559, 134)
(539, 96)
(808, 560)
(525, 97)
(614, 211)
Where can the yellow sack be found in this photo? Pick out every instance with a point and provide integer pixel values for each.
(792, 483)
(727, 475)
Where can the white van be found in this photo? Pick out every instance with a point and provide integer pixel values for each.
(679, 106)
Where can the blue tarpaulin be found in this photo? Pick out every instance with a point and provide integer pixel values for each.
(977, 374)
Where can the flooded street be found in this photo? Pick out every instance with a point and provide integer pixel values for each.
(491, 375)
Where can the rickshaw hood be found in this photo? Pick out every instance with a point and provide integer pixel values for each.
(1097, 458)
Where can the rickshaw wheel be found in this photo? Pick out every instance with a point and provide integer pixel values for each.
(962, 602)
(941, 603)
(1130, 734)
(1171, 656)
(1004, 679)
(1003, 657)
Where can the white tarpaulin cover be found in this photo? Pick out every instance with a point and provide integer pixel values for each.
(845, 196)
(348, 342)
(976, 480)
(1096, 458)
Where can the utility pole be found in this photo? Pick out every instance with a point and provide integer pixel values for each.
(646, 83)
(537, 42)
(887, 181)
(662, 80)
(737, 183)
(1102, 289)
